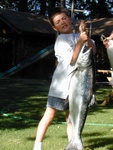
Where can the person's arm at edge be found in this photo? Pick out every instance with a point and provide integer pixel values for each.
(110, 37)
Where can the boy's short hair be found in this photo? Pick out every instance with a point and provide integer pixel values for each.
(54, 11)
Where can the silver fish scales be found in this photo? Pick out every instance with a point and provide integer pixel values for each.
(80, 94)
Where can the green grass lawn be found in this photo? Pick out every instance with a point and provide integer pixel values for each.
(22, 104)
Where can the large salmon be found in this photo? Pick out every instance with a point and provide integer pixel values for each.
(80, 94)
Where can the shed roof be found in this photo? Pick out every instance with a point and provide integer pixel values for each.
(102, 26)
(26, 22)
(99, 26)
(33, 23)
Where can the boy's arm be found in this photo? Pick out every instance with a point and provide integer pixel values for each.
(82, 39)
(82, 28)
(78, 46)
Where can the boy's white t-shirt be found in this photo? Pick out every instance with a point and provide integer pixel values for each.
(64, 46)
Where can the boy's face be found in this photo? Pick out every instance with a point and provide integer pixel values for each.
(62, 23)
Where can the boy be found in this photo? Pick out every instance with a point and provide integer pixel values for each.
(67, 48)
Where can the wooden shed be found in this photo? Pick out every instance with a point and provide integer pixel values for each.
(22, 35)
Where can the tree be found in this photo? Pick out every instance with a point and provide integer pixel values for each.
(99, 10)
(43, 8)
(19, 5)
(22, 5)
(93, 8)
(62, 3)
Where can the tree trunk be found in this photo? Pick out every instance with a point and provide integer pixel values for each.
(51, 4)
(62, 3)
(43, 8)
(22, 6)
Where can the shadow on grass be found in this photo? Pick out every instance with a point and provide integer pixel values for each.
(23, 102)
(96, 140)
(101, 142)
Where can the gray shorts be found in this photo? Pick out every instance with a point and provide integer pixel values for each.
(57, 103)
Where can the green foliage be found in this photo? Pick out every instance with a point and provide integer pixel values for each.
(5, 4)
(94, 9)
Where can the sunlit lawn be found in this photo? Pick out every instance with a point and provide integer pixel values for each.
(22, 103)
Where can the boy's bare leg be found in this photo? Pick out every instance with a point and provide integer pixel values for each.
(69, 127)
(43, 126)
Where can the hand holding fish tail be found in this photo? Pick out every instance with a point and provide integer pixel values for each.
(83, 38)
(82, 26)
(84, 35)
